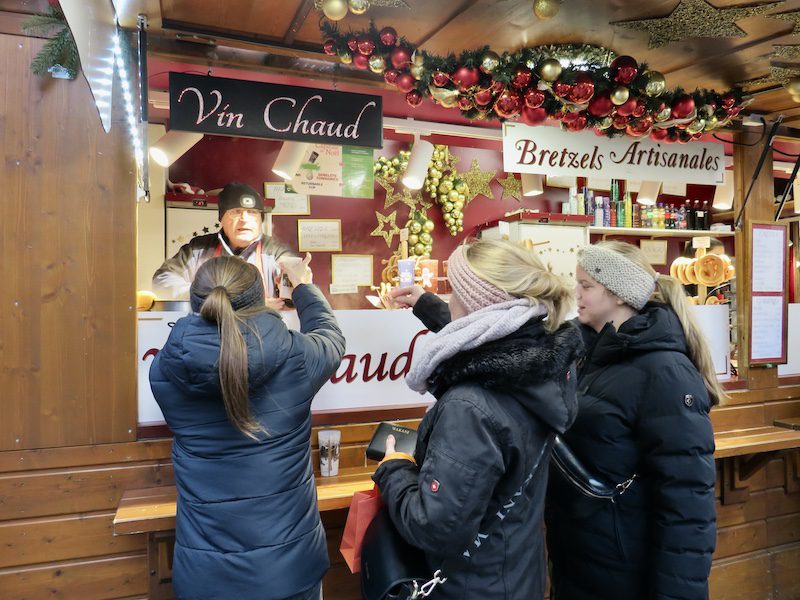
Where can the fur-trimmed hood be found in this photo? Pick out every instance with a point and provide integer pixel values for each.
(534, 367)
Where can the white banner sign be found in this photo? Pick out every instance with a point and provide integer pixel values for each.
(372, 373)
(550, 151)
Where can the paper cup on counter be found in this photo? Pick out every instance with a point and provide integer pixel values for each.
(329, 441)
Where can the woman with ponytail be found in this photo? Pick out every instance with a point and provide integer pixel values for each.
(501, 366)
(645, 387)
(235, 386)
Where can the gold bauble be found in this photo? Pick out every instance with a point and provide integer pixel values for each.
(335, 10)
(549, 69)
(377, 64)
(452, 195)
(413, 239)
(461, 187)
(458, 205)
(417, 59)
(696, 126)
(489, 61)
(664, 115)
(795, 98)
(546, 9)
(604, 123)
(358, 7)
(428, 226)
(620, 95)
(419, 249)
(793, 86)
(445, 97)
(656, 84)
(425, 238)
(417, 71)
(415, 227)
(345, 57)
(711, 123)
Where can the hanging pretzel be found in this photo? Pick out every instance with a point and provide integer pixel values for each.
(710, 270)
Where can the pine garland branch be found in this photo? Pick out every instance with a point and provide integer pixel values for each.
(58, 50)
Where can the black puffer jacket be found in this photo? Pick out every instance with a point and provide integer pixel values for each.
(643, 409)
(496, 406)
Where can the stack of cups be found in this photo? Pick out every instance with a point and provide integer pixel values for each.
(329, 440)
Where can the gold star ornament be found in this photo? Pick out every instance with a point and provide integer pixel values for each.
(478, 181)
(391, 221)
(695, 19)
(776, 75)
(512, 187)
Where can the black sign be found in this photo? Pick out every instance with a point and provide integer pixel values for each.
(270, 110)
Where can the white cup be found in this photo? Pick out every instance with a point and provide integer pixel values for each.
(329, 441)
(285, 288)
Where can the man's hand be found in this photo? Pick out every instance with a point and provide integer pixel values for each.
(274, 303)
(406, 296)
(297, 270)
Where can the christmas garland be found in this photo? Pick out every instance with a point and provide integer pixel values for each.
(61, 50)
(594, 89)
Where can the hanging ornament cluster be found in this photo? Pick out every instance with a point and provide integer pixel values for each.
(390, 168)
(622, 97)
(420, 234)
(444, 185)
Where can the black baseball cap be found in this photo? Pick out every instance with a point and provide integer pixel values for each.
(239, 195)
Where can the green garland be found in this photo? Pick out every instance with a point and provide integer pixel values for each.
(58, 50)
(712, 109)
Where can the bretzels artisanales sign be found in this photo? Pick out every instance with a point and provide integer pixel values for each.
(242, 108)
(551, 151)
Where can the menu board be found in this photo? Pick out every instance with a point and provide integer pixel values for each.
(769, 276)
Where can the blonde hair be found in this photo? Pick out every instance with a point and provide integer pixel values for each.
(669, 291)
(218, 280)
(520, 272)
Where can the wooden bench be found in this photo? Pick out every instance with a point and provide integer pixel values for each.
(152, 511)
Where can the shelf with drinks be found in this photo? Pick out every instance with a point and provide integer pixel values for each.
(651, 232)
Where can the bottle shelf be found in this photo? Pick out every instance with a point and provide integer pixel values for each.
(648, 232)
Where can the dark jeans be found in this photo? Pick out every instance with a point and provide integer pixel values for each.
(312, 593)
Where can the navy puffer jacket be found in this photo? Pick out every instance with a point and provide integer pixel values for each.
(642, 408)
(248, 526)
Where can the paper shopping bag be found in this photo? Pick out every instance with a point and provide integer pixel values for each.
(363, 508)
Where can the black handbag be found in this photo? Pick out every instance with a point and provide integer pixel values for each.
(572, 470)
(392, 569)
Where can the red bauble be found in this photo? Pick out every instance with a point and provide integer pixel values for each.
(405, 82)
(366, 46)
(639, 109)
(361, 61)
(400, 57)
(533, 116)
(465, 103)
(734, 111)
(483, 97)
(390, 76)
(728, 100)
(658, 134)
(533, 98)
(697, 136)
(620, 122)
(640, 128)
(497, 87)
(684, 137)
(570, 117)
(329, 47)
(624, 69)
(626, 109)
(414, 98)
(600, 105)
(466, 77)
(671, 138)
(388, 36)
(682, 107)
(521, 78)
(508, 104)
(578, 124)
(352, 43)
(562, 89)
(583, 90)
(440, 79)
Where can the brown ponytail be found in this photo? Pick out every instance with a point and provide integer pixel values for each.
(218, 280)
(670, 291)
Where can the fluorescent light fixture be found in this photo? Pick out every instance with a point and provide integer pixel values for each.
(723, 194)
(417, 169)
(532, 184)
(648, 192)
(290, 158)
(172, 146)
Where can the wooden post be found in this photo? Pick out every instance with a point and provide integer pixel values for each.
(760, 206)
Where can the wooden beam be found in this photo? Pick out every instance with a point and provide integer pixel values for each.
(297, 22)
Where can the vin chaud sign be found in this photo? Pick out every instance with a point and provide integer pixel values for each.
(242, 108)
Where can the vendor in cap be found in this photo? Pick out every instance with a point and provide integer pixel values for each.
(241, 211)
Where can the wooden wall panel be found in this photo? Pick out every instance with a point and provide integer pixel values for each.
(67, 237)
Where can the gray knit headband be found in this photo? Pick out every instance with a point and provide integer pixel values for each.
(632, 284)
